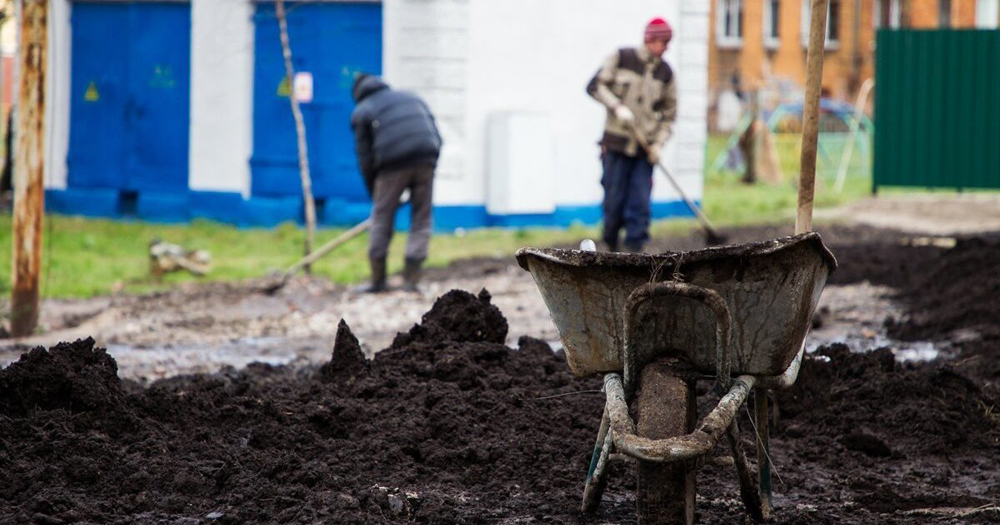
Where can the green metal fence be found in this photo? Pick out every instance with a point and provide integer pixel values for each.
(937, 108)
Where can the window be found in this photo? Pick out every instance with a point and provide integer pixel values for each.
(729, 23)
(887, 14)
(944, 13)
(987, 14)
(832, 23)
(772, 17)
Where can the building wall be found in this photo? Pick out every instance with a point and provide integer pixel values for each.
(756, 64)
(426, 50)
(471, 60)
(545, 72)
(222, 43)
(57, 98)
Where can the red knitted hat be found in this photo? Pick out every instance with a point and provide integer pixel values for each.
(658, 29)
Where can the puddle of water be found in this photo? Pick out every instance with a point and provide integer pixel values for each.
(904, 351)
(160, 361)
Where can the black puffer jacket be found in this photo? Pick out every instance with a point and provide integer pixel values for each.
(392, 129)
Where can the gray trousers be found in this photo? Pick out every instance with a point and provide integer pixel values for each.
(389, 186)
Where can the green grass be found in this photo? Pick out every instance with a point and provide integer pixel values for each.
(88, 257)
(731, 202)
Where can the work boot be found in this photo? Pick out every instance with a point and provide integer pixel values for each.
(411, 274)
(377, 284)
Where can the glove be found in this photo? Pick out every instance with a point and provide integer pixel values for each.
(654, 153)
(624, 114)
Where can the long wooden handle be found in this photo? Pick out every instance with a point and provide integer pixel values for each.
(677, 187)
(356, 230)
(810, 116)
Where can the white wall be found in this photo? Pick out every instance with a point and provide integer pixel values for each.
(426, 50)
(57, 94)
(222, 54)
(526, 55)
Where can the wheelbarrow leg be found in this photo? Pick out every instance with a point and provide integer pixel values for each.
(763, 451)
(748, 488)
(596, 475)
(665, 492)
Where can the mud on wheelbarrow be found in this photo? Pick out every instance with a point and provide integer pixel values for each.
(653, 324)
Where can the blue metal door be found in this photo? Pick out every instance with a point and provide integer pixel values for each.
(129, 108)
(331, 41)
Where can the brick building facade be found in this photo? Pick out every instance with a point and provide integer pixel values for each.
(757, 43)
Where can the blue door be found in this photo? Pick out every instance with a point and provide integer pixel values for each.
(331, 41)
(129, 107)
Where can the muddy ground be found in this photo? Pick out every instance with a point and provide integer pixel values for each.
(199, 328)
(450, 425)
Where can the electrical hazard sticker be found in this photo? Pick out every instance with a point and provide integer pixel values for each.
(284, 88)
(92, 95)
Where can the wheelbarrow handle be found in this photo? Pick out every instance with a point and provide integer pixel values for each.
(710, 298)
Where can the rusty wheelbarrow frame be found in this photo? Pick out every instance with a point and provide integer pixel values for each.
(736, 310)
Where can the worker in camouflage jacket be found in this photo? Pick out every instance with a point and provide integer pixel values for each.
(398, 146)
(638, 89)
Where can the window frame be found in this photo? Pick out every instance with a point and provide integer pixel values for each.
(895, 14)
(723, 38)
(772, 32)
(829, 44)
(944, 14)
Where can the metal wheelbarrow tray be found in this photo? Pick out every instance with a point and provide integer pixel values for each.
(735, 310)
(771, 288)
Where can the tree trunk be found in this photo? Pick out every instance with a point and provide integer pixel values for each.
(300, 131)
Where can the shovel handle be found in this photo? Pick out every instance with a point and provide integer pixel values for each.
(356, 230)
(677, 187)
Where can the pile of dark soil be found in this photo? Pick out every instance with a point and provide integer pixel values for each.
(451, 426)
(952, 294)
(448, 425)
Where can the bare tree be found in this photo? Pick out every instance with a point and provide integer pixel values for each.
(300, 130)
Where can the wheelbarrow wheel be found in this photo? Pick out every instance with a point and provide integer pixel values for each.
(665, 492)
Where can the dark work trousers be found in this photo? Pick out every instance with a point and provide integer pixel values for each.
(389, 186)
(628, 183)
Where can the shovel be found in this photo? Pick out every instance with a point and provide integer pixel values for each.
(282, 279)
(353, 232)
(712, 237)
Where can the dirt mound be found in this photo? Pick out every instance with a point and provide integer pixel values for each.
(959, 289)
(443, 430)
(873, 404)
(458, 316)
(451, 426)
(71, 376)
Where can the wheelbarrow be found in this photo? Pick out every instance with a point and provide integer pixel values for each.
(653, 325)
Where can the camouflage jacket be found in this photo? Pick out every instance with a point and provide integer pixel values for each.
(645, 84)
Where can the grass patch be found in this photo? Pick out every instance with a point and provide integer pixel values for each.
(88, 257)
(731, 202)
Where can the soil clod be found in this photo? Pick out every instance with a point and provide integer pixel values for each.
(348, 360)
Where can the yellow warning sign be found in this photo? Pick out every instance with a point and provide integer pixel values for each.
(285, 88)
(92, 95)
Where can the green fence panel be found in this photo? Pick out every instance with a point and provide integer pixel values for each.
(937, 108)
